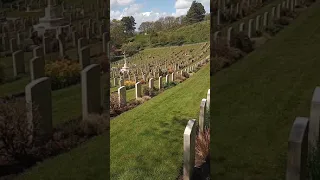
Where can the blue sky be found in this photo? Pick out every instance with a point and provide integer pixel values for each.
(151, 10)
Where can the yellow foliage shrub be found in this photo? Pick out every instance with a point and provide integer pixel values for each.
(63, 73)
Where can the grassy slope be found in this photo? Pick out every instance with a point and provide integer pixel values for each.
(140, 149)
(257, 99)
(195, 33)
(146, 143)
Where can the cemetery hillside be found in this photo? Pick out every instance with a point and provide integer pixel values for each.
(264, 78)
(54, 90)
(160, 96)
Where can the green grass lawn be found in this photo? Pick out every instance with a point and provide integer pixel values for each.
(87, 162)
(146, 142)
(256, 100)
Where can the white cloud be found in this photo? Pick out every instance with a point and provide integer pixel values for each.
(139, 16)
(115, 3)
(148, 16)
(181, 6)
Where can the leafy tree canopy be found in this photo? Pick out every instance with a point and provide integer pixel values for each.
(196, 13)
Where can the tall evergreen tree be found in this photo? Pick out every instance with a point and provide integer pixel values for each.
(129, 23)
(196, 13)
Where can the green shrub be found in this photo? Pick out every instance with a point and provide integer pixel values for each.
(131, 48)
(149, 91)
(129, 84)
(288, 13)
(222, 50)
(185, 74)
(240, 41)
(273, 30)
(169, 85)
(283, 21)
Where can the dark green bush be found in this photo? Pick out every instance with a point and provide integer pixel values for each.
(283, 21)
(149, 92)
(273, 30)
(240, 41)
(169, 85)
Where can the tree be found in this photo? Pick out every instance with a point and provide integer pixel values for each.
(196, 13)
(145, 27)
(157, 26)
(153, 37)
(169, 22)
(131, 48)
(129, 24)
(117, 33)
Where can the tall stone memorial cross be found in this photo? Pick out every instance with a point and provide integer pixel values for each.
(189, 137)
(91, 90)
(38, 97)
